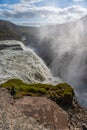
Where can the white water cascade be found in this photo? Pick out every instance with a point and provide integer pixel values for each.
(16, 61)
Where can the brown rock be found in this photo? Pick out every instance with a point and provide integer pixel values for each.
(39, 113)
(12, 118)
(45, 111)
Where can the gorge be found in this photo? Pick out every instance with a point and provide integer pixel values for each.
(64, 61)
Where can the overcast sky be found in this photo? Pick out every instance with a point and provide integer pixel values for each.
(42, 11)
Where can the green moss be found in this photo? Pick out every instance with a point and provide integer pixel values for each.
(61, 93)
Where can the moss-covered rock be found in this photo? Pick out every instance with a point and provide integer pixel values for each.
(62, 93)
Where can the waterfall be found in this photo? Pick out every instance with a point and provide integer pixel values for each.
(17, 61)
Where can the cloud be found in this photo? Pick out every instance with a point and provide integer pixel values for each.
(49, 14)
(78, 0)
(31, 1)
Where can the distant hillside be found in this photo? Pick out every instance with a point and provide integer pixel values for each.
(9, 31)
(40, 35)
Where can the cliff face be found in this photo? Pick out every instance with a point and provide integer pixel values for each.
(40, 106)
(51, 115)
(9, 31)
(38, 113)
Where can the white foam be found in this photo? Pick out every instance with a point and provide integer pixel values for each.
(23, 64)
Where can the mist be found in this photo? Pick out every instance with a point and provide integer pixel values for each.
(64, 49)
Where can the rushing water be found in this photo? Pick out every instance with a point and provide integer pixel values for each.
(16, 61)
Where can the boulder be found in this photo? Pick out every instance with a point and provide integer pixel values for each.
(44, 111)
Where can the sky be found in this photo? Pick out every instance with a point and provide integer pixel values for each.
(25, 12)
